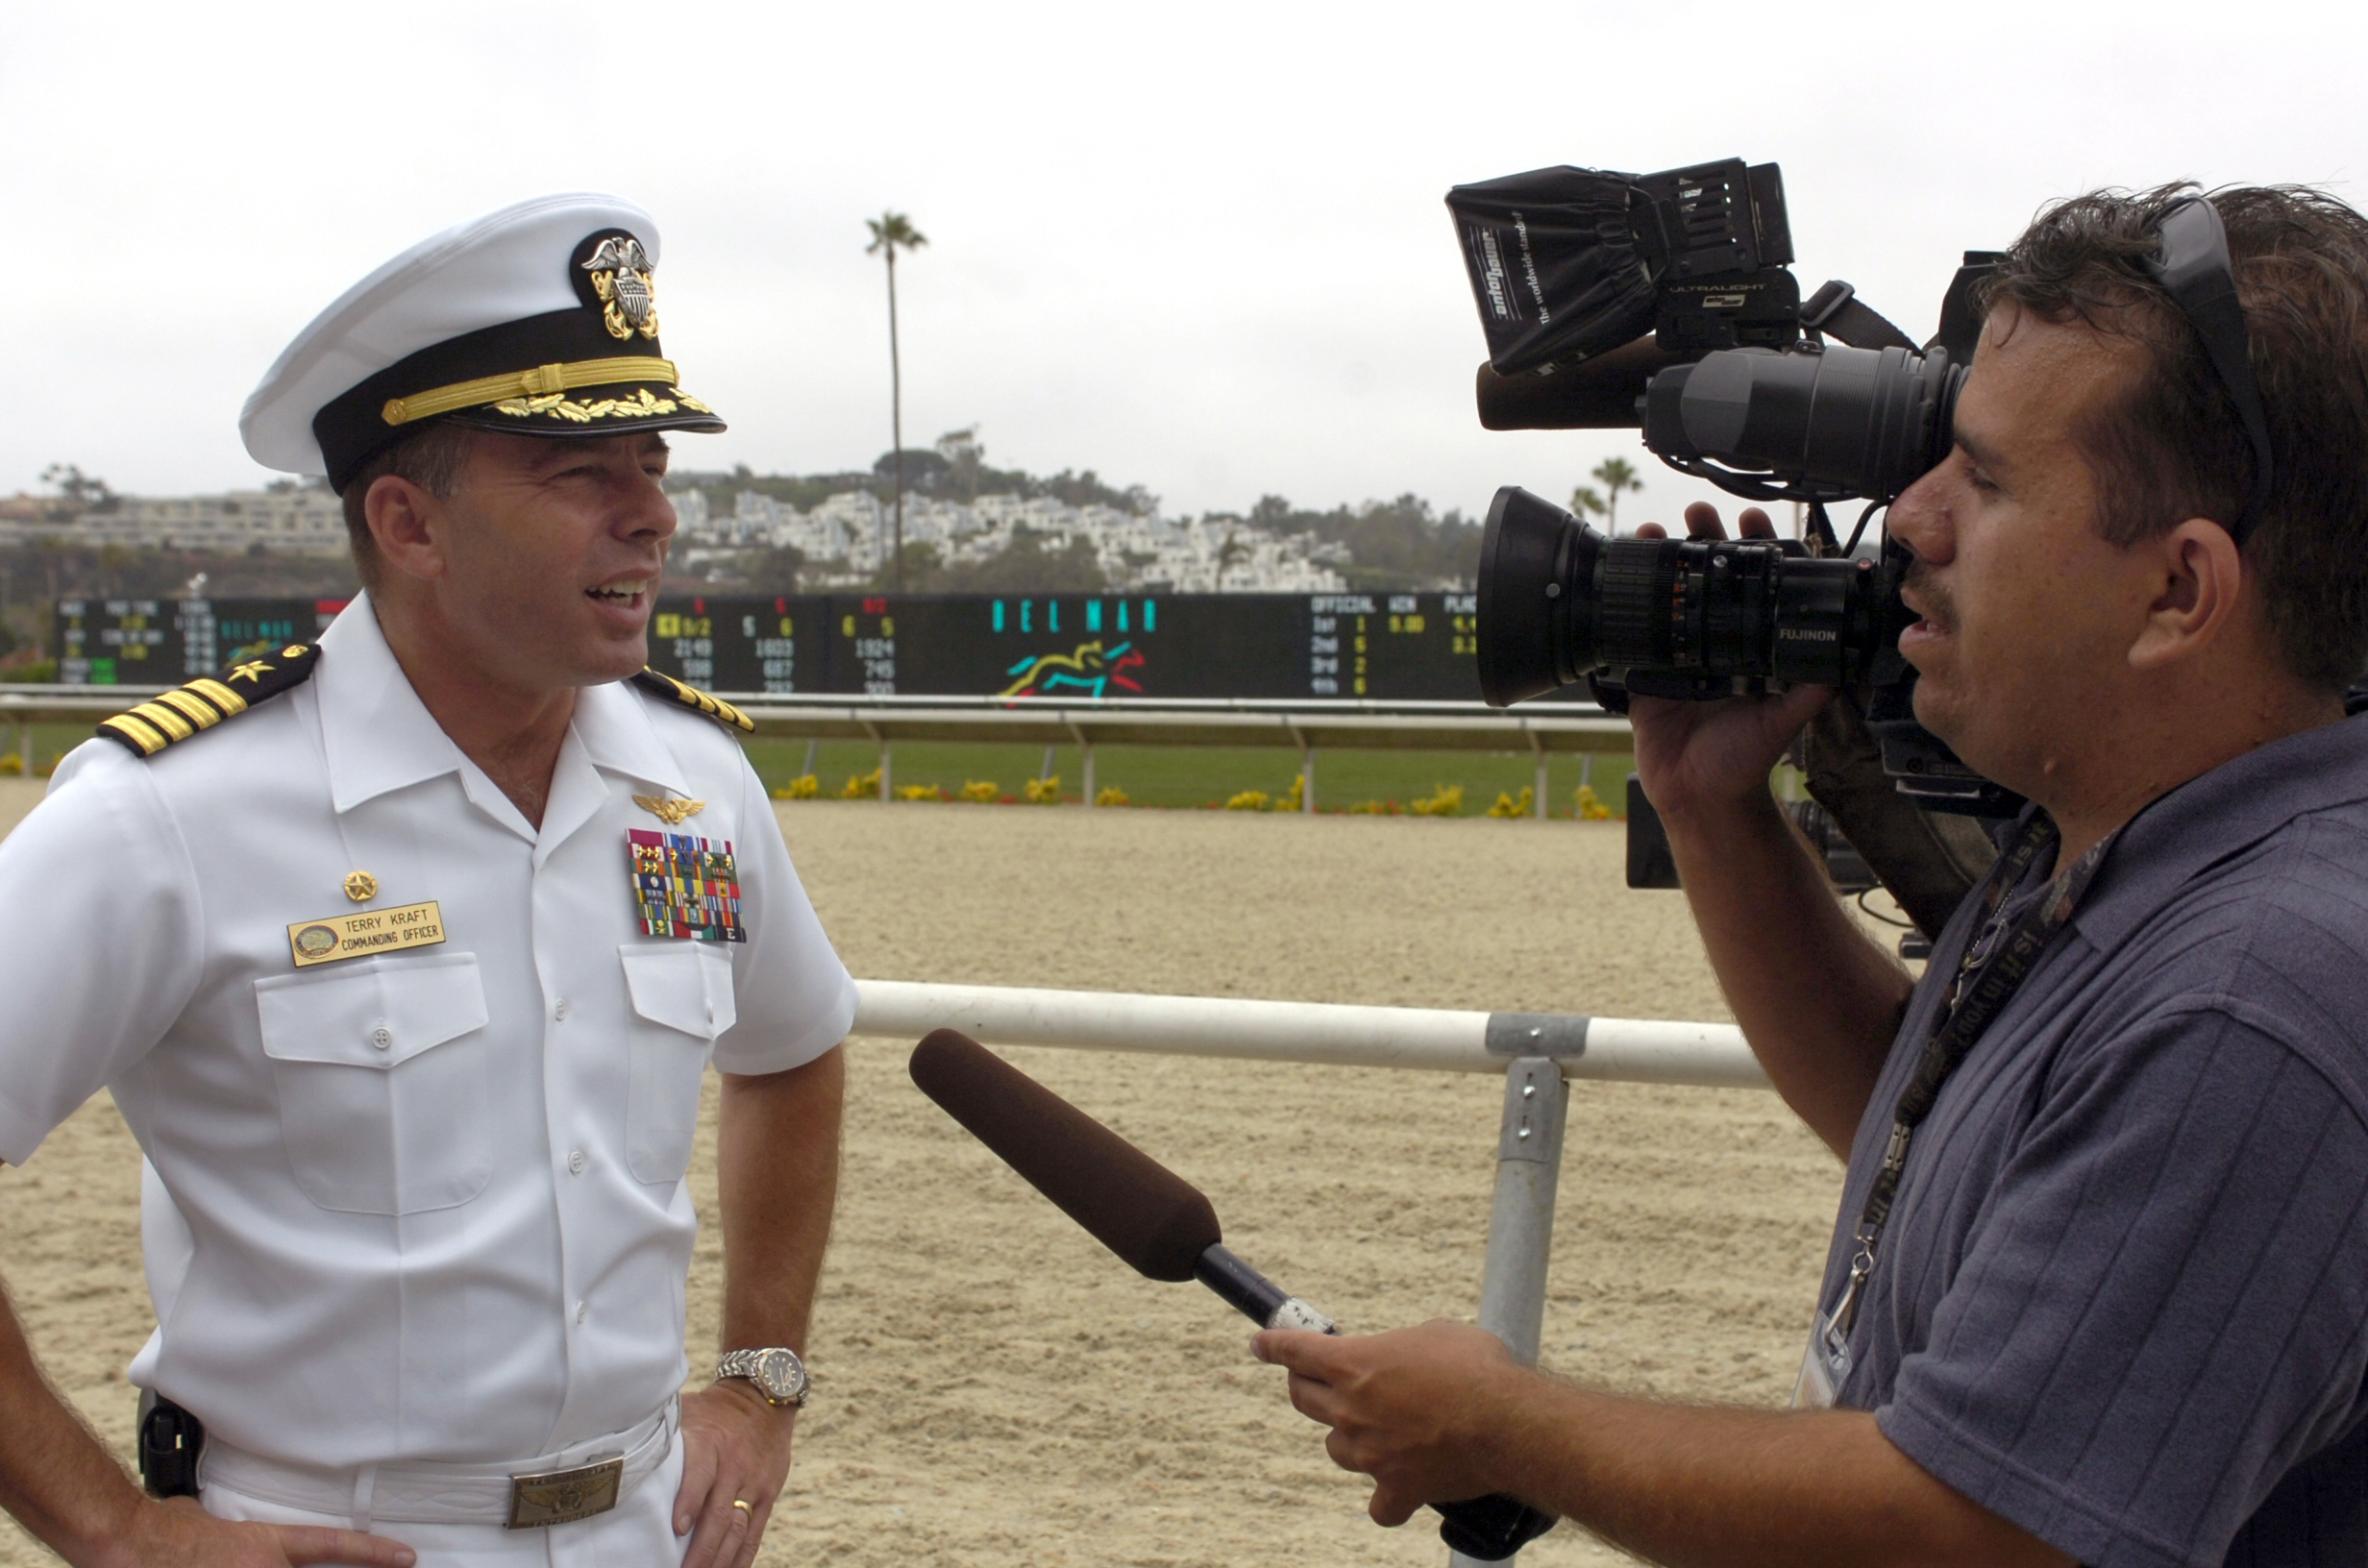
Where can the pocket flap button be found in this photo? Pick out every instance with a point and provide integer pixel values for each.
(383, 1037)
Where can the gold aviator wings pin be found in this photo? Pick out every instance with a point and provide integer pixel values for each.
(669, 812)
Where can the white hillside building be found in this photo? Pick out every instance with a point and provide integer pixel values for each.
(1135, 551)
(296, 521)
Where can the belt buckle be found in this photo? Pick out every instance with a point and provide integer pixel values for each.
(557, 1497)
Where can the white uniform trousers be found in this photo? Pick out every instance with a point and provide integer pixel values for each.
(638, 1533)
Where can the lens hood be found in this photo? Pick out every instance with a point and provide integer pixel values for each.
(1530, 554)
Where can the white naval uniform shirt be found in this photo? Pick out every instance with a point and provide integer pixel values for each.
(433, 1199)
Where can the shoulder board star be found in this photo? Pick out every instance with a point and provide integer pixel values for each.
(151, 726)
(696, 701)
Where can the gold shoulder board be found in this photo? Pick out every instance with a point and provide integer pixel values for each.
(696, 701)
(205, 703)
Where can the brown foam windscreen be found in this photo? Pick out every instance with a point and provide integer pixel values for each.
(1130, 1202)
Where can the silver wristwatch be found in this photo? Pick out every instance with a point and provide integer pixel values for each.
(777, 1373)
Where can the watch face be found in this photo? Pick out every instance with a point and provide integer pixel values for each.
(780, 1375)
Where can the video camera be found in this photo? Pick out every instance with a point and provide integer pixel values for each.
(1665, 301)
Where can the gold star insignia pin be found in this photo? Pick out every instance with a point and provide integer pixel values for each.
(252, 670)
(669, 812)
(360, 887)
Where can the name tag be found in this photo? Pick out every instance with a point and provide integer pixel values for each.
(334, 936)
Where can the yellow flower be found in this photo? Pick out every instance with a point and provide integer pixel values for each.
(1507, 806)
(1448, 801)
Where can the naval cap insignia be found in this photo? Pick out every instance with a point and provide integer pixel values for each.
(621, 275)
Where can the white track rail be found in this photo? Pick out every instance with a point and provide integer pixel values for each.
(1618, 1050)
(1544, 729)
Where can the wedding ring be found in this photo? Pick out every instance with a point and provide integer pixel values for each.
(741, 1506)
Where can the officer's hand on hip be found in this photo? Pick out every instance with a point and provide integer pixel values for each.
(735, 1460)
(181, 1535)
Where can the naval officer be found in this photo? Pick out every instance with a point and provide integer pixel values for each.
(403, 953)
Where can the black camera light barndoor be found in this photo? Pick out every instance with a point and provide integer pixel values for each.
(1556, 268)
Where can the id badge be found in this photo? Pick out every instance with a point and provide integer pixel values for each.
(1822, 1375)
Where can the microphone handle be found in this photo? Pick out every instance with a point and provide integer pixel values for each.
(1488, 1528)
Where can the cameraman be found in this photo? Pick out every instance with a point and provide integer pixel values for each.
(2113, 1306)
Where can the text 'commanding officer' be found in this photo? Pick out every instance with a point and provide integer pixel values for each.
(420, 939)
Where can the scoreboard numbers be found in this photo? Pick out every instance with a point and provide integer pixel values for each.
(1388, 646)
(149, 642)
(1383, 647)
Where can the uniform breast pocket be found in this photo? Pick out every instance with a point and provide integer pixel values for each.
(382, 1072)
(683, 1001)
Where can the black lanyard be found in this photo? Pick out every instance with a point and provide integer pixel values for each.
(1995, 964)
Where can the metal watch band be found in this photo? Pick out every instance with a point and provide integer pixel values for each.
(777, 1372)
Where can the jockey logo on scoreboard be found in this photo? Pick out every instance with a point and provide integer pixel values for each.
(1089, 672)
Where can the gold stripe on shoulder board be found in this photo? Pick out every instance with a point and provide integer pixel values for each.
(149, 728)
(716, 708)
(134, 734)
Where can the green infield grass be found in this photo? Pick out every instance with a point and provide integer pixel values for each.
(1180, 778)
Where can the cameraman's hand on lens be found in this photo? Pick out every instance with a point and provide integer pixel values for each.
(1698, 758)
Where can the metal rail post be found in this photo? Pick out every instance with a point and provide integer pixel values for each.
(1085, 749)
(887, 775)
(1529, 1160)
(1307, 781)
(1536, 744)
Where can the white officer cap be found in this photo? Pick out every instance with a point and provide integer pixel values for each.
(540, 319)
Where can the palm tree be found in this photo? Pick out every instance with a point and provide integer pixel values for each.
(1586, 501)
(1228, 554)
(1615, 474)
(891, 231)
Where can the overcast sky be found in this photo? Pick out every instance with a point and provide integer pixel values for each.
(1199, 248)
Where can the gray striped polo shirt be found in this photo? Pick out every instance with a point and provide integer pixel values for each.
(2123, 1300)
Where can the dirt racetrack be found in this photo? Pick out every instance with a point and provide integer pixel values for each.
(996, 1390)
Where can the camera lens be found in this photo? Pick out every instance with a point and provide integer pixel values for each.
(1851, 422)
(1669, 617)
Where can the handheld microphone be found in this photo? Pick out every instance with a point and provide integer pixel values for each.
(1161, 1225)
